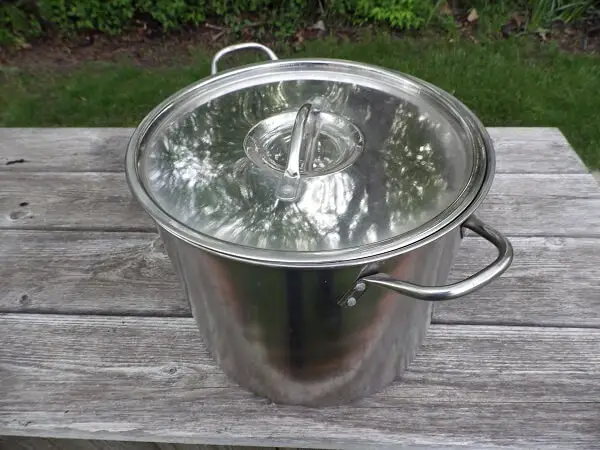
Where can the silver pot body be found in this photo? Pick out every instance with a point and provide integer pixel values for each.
(282, 334)
(311, 265)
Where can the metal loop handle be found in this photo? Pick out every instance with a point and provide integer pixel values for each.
(235, 48)
(304, 137)
(452, 291)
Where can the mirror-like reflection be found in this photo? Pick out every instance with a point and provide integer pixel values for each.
(412, 167)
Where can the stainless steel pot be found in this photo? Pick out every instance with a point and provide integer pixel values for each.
(312, 209)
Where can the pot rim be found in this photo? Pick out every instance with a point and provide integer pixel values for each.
(316, 259)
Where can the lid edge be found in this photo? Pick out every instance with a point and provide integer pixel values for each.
(319, 259)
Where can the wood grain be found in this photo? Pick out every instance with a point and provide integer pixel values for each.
(534, 150)
(74, 241)
(64, 149)
(519, 150)
(69, 200)
(29, 443)
(533, 204)
(553, 281)
(63, 376)
(83, 272)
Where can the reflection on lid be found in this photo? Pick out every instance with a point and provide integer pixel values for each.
(411, 169)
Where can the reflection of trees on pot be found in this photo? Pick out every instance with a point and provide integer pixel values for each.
(404, 163)
(201, 175)
(270, 99)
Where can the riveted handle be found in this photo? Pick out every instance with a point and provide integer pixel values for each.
(235, 48)
(456, 290)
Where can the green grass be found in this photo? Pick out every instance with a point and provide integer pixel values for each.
(506, 83)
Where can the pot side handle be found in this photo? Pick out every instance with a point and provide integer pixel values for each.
(461, 288)
(235, 48)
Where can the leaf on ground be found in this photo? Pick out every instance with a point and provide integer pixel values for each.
(473, 16)
(320, 25)
(542, 34)
(518, 19)
(299, 37)
(445, 9)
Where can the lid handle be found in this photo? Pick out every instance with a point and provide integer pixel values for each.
(304, 137)
(235, 48)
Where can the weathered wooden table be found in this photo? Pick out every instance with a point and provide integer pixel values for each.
(97, 342)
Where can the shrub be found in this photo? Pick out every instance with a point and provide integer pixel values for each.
(21, 20)
(404, 14)
(540, 12)
(17, 22)
(543, 12)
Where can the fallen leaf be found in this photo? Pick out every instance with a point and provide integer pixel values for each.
(320, 25)
(570, 31)
(518, 19)
(218, 35)
(445, 9)
(543, 34)
(473, 16)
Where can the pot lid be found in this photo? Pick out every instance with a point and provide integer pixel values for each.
(308, 161)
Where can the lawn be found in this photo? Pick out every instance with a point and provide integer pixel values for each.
(514, 82)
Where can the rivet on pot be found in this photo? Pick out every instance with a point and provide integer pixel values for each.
(350, 299)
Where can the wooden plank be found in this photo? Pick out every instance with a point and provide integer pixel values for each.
(533, 204)
(543, 205)
(29, 443)
(477, 386)
(553, 281)
(64, 149)
(82, 272)
(519, 150)
(534, 150)
(75, 200)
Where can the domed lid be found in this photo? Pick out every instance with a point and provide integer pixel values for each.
(308, 162)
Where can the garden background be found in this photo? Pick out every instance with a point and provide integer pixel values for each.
(108, 62)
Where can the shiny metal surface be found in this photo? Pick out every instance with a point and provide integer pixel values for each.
(320, 143)
(307, 206)
(461, 288)
(280, 333)
(335, 143)
(238, 47)
(426, 163)
(302, 140)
